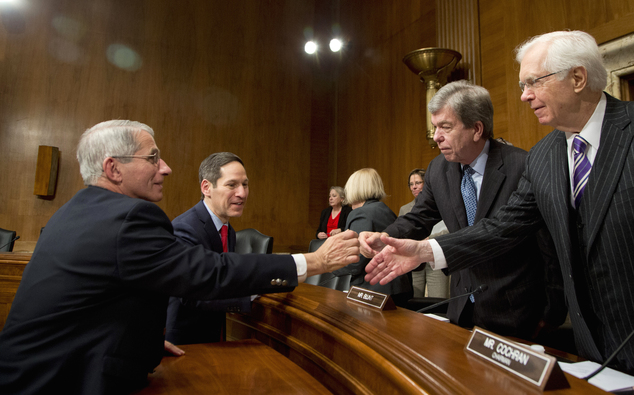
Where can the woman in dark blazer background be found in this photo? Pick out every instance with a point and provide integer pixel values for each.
(336, 196)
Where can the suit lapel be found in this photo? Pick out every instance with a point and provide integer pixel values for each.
(231, 243)
(215, 243)
(492, 181)
(559, 187)
(616, 140)
(454, 178)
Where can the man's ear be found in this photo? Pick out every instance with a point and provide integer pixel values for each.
(478, 131)
(580, 78)
(206, 187)
(112, 171)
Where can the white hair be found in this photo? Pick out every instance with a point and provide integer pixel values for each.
(110, 138)
(566, 50)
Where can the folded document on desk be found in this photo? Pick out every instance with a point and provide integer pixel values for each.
(608, 380)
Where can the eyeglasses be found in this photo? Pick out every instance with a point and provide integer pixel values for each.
(530, 83)
(154, 159)
(417, 183)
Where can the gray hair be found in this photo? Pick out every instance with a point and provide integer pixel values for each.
(210, 167)
(106, 139)
(471, 103)
(566, 50)
(340, 192)
(364, 184)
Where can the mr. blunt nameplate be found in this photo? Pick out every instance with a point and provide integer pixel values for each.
(531, 366)
(370, 298)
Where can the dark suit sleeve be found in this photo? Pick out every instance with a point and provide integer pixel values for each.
(492, 237)
(419, 222)
(150, 257)
(323, 221)
(189, 236)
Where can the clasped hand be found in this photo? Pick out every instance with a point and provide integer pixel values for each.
(391, 257)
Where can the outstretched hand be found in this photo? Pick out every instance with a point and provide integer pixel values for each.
(338, 251)
(399, 256)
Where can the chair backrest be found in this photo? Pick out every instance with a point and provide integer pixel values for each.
(6, 240)
(328, 280)
(315, 244)
(250, 241)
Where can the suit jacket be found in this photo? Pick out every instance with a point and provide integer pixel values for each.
(325, 215)
(192, 321)
(516, 299)
(89, 314)
(373, 216)
(594, 246)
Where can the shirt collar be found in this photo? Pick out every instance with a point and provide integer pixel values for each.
(591, 132)
(480, 163)
(217, 222)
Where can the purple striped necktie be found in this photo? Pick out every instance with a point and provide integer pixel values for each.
(582, 168)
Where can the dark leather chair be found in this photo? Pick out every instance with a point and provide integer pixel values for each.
(6, 240)
(315, 244)
(250, 241)
(328, 280)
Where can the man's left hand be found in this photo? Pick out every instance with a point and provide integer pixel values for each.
(172, 349)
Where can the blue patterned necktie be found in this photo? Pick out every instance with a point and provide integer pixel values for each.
(469, 193)
(582, 168)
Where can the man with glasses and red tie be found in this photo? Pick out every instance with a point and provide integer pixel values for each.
(578, 181)
(224, 186)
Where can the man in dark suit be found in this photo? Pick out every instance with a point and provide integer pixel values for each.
(225, 188)
(579, 181)
(89, 315)
(516, 300)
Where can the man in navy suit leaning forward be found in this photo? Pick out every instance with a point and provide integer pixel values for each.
(579, 181)
(225, 188)
(89, 314)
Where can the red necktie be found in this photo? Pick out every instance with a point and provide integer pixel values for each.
(224, 232)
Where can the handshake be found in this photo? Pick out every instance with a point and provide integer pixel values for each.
(390, 257)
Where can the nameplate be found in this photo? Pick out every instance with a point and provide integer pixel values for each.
(370, 298)
(533, 367)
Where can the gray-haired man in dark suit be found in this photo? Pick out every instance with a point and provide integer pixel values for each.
(518, 301)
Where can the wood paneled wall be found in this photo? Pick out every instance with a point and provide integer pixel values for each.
(210, 76)
(218, 75)
(505, 25)
(381, 103)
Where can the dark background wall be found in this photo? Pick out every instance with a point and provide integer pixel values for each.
(215, 75)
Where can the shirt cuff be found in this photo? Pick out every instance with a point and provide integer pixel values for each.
(302, 267)
(439, 257)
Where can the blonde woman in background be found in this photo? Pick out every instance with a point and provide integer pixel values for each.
(364, 192)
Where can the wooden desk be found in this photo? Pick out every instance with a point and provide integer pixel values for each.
(356, 350)
(12, 265)
(232, 368)
(348, 348)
